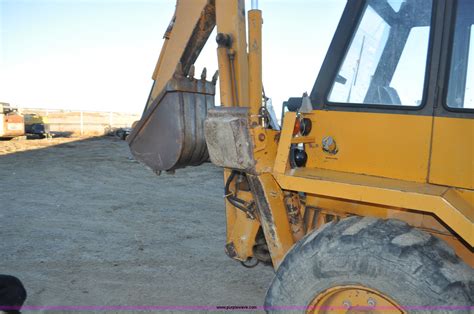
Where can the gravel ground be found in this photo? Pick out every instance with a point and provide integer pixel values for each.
(83, 225)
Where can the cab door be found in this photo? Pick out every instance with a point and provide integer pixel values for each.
(452, 157)
(375, 93)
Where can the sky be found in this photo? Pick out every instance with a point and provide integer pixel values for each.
(100, 54)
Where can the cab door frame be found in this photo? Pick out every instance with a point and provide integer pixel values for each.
(453, 128)
(404, 150)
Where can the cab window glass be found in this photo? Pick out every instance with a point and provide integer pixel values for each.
(387, 58)
(396, 4)
(461, 82)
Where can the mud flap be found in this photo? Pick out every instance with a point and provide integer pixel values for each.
(170, 134)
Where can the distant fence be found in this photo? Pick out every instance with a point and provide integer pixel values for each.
(83, 123)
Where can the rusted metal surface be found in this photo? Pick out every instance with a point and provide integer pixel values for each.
(293, 207)
(230, 250)
(170, 134)
(190, 28)
(11, 122)
(272, 215)
(200, 35)
(13, 126)
(228, 138)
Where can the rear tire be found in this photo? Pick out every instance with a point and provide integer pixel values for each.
(416, 270)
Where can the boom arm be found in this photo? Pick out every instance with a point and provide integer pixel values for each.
(189, 31)
(170, 134)
(185, 37)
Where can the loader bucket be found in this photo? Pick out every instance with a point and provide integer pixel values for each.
(170, 134)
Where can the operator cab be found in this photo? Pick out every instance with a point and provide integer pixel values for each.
(396, 92)
(383, 49)
(387, 53)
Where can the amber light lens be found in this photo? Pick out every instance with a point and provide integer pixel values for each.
(297, 127)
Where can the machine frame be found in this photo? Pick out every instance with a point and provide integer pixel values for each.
(412, 170)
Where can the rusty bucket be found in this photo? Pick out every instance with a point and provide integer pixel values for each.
(170, 134)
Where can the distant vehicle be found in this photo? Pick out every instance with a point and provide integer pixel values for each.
(123, 133)
(12, 123)
(37, 125)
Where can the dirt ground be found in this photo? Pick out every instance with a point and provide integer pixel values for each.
(81, 224)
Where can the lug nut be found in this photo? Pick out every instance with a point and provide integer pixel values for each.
(371, 302)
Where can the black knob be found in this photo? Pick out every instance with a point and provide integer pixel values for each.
(300, 157)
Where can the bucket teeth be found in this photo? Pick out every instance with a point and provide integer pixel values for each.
(179, 70)
(215, 77)
(204, 74)
(191, 71)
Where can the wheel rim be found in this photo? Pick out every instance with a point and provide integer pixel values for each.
(353, 299)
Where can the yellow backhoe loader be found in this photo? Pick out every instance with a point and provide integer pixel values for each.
(363, 200)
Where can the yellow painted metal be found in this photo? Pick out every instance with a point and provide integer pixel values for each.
(438, 200)
(343, 206)
(225, 78)
(351, 207)
(303, 139)
(265, 147)
(452, 156)
(353, 299)
(187, 16)
(373, 195)
(424, 221)
(321, 207)
(33, 118)
(255, 64)
(230, 20)
(242, 235)
(241, 230)
(281, 161)
(383, 167)
(272, 215)
(248, 77)
(386, 145)
(162, 53)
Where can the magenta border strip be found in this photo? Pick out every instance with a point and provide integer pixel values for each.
(221, 308)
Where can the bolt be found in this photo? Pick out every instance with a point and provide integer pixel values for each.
(346, 304)
(261, 137)
(371, 302)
